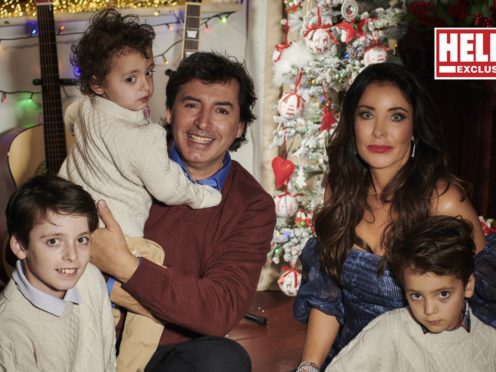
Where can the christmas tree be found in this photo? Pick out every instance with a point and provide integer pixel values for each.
(327, 43)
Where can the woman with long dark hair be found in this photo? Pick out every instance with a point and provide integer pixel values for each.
(388, 169)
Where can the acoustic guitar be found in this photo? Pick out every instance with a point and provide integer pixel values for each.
(40, 149)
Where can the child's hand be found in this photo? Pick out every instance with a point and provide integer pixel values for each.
(109, 250)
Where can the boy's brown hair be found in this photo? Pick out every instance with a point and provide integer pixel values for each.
(42, 194)
(441, 245)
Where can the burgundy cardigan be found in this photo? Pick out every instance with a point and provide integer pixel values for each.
(213, 259)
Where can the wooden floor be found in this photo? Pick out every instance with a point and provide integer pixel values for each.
(276, 346)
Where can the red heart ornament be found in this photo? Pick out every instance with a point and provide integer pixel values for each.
(283, 169)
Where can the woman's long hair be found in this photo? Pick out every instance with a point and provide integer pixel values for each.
(409, 192)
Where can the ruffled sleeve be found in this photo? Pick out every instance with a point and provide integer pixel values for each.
(483, 302)
(317, 290)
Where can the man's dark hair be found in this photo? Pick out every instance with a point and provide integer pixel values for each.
(442, 245)
(212, 68)
(35, 199)
(109, 34)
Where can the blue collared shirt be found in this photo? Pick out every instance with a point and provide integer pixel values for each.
(216, 181)
(42, 300)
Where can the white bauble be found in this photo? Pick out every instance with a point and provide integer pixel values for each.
(291, 105)
(286, 205)
(375, 55)
(318, 40)
(289, 282)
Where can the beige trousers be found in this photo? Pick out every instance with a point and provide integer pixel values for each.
(141, 335)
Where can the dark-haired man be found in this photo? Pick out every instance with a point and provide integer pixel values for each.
(214, 255)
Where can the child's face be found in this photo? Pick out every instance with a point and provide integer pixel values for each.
(58, 252)
(130, 80)
(436, 301)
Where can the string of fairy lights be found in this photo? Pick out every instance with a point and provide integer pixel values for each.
(28, 95)
(27, 8)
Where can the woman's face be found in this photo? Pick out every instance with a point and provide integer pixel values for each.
(384, 127)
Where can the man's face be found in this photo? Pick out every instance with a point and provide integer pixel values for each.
(436, 301)
(205, 122)
(57, 253)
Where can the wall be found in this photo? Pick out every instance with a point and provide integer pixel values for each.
(19, 62)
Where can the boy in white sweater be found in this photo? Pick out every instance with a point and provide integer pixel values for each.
(437, 331)
(120, 156)
(55, 313)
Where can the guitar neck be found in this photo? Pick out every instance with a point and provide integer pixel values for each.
(191, 33)
(54, 135)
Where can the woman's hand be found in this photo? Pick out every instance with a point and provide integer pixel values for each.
(321, 332)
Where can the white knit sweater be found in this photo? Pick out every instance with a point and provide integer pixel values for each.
(81, 340)
(394, 342)
(120, 157)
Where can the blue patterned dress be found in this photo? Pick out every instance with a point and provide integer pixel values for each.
(363, 295)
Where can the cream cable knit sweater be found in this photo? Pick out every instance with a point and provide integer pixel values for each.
(394, 342)
(81, 340)
(120, 157)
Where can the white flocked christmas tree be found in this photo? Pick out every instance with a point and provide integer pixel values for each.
(326, 44)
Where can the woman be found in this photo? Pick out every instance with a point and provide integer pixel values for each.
(387, 170)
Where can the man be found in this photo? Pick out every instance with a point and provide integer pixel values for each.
(213, 256)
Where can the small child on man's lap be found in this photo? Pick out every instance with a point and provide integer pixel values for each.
(55, 313)
(437, 331)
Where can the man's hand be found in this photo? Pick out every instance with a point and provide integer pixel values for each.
(122, 298)
(109, 250)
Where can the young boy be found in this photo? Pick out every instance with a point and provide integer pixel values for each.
(55, 314)
(437, 331)
(121, 157)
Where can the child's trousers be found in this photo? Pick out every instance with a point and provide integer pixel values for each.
(140, 335)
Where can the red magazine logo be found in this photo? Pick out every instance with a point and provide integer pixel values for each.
(465, 53)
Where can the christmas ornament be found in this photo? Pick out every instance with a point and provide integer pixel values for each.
(283, 170)
(303, 219)
(286, 205)
(294, 57)
(350, 31)
(291, 104)
(279, 49)
(289, 281)
(318, 37)
(318, 40)
(328, 119)
(349, 10)
(376, 54)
